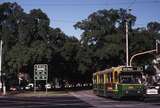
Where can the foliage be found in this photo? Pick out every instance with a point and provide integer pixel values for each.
(28, 39)
(104, 34)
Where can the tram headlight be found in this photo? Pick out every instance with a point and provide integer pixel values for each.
(126, 91)
(157, 87)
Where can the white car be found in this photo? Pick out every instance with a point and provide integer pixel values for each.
(152, 91)
(48, 86)
(29, 86)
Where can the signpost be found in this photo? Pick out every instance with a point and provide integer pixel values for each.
(40, 73)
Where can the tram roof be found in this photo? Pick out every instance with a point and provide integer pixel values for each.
(118, 69)
(104, 71)
(108, 70)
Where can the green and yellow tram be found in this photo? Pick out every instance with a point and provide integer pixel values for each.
(118, 82)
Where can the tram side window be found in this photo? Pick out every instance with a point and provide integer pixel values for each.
(111, 77)
(101, 79)
(94, 79)
(116, 76)
(106, 78)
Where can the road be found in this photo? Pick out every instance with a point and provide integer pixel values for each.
(80, 99)
(99, 102)
(60, 101)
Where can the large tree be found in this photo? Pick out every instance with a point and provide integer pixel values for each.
(104, 35)
(28, 39)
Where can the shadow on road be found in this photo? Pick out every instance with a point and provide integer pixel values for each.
(135, 99)
(152, 100)
(43, 102)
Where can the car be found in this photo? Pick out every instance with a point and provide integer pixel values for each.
(29, 86)
(48, 86)
(14, 88)
(152, 91)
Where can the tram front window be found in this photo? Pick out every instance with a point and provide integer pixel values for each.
(130, 79)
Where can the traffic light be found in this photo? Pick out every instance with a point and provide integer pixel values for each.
(158, 46)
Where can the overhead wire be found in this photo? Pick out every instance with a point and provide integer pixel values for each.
(90, 4)
(65, 21)
(74, 22)
(131, 4)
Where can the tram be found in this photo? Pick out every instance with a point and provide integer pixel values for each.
(118, 82)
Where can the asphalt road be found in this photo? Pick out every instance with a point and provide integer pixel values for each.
(101, 102)
(42, 102)
(80, 99)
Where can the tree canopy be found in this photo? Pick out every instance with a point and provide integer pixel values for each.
(28, 39)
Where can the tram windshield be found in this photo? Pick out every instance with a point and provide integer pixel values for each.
(130, 78)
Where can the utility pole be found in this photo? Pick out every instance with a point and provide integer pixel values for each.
(126, 24)
(126, 42)
(2, 82)
(1, 64)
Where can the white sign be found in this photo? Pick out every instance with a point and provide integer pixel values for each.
(41, 69)
(40, 72)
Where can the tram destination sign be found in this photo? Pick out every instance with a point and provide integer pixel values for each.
(132, 69)
(40, 72)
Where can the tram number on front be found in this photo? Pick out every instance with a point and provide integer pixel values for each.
(132, 69)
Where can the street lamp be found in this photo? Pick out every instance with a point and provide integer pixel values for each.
(157, 50)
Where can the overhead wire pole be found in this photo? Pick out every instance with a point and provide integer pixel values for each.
(135, 55)
(145, 52)
(2, 83)
(1, 65)
(126, 24)
(142, 53)
(126, 42)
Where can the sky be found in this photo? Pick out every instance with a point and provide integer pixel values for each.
(65, 13)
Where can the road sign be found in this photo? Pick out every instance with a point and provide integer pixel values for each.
(40, 72)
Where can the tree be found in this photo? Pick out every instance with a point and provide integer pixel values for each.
(153, 27)
(28, 40)
(104, 36)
